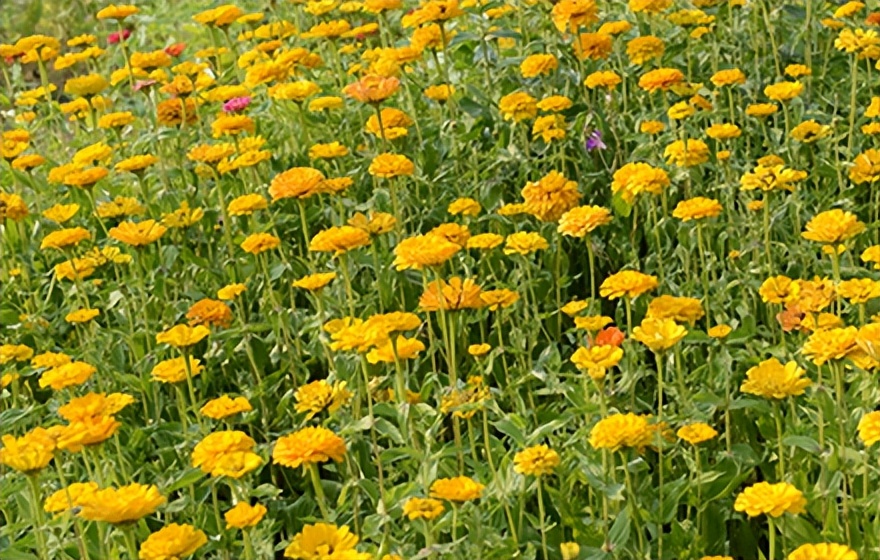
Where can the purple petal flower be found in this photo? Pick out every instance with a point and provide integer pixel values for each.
(594, 142)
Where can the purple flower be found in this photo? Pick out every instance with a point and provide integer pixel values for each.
(594, 142)
(236, 104)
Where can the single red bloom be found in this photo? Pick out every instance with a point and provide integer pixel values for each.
(610, 336)
(175, 49)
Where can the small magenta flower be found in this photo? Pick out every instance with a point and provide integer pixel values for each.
(117, 36)
(236, 104)
(594, 142)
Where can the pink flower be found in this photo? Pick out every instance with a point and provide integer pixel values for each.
(236, 104)
(141, 84)
(114, 37)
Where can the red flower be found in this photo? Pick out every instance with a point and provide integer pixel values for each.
(115, 37)
(610, 336)
(175, 49)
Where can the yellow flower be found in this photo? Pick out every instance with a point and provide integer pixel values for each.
(679, 309)
(593, 46)
(308, 446)
(121, 505)
(569, 550)
(231, 291)
(86, 86)
(82, 315)
(422, 508)
(783, 91)
(761, 110)
(829, 344)
(495, 299)
(172, 541)
(64, 238)
(323, 541)
(824, 551)
(457, 489)
(833, 226)
(518, 106)
(596, 360)
(28, 454)
(719, 331)
(538, 65)
(451, 296)
(697, 208)
(67, 375)
(423, 251)
(524, 243)
(627, 283)
(697, 433)
(315, 282)
(859, 290)
(297, 91)
(604, 79)
(226, 453)
(120, 206)
(779, 289)
(592, 323)
(317, 396)
(687, 154)
(651, 127)
(327, 151)
(570, 15)
(247, 204)
(69, 497)
(869, 428)
(477, 350)
(120, 12)
(770, 499)
(224, 406)
(183, 336)
(406, 349)
(391, 165)
(464, 206)
(660, 79)
(810, 131)
(644, 49)
(339, 240)
(138, 234)
(621, 430)
(635, 178)
(439, 93)
(257, 243)
(551, 196)
(733, 76)
(244, 515)
(538, 460)
(659, 334)
(866, 167)
(772, 380)
(372, 89)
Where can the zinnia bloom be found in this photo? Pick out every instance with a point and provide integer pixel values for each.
(422, 508)
(121, 505)
(696, 433)
(770, 499)
(772, 380)
(621, 430)
(659, 334)
(627, 283)
(325, 541)
(697, 208)
(596, 359)
(308, 446)
(339, 240)
(833, 226)
(172, 541)
(823, 551)
(244, 515)
(550, 197)
(451, 296)
(458, 489)
(182, 336)
(30, 453)
(538, 460)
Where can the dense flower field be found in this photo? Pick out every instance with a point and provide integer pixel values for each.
(383, 280)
